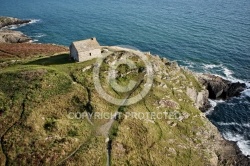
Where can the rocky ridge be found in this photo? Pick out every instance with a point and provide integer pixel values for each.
(222, 152)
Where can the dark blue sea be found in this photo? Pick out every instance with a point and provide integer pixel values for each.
(210, 36)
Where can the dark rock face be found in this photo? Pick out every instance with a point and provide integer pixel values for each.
(219, 88)
(7, 21)
(235, 89)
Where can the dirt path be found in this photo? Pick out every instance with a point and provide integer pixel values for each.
(105, 129)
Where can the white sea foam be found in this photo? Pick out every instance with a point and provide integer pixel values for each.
(213, 104)
(188, 64)
(244, 147)
(14, 26)
(38, 35)
(228, 76)
(232, 137)
(243, 144)
(21, 25)
(246, 92)
(228, 72)
(233, 124)
(33, 21)
(35, 40)
(210, 66)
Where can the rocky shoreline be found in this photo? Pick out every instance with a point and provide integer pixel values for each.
(7, 21)
(219, 88)
(10, 36)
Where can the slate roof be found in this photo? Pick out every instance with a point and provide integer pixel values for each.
(86, 45)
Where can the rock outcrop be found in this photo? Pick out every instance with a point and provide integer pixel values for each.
(7, 21)
(199, 98)
(235, 89)
(220, 88)
(8, 36)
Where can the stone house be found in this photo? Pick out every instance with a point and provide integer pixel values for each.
(85, 50)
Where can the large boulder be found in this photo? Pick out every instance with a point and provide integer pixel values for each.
(8, 36)
(7, 21)
(200, 99)
(220, 88)
(235, 89)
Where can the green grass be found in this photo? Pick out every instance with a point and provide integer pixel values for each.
(37, 95)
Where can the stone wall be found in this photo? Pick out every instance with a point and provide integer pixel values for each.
(88, 55)
(73, 52)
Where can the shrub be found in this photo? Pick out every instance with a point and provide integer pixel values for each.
(50, 125)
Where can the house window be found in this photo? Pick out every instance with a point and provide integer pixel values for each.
(89, 54)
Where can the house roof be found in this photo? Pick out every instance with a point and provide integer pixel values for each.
(86, 45)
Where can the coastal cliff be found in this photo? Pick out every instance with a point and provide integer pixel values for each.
(38, 93)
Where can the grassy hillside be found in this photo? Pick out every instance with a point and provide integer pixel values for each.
(37, 95)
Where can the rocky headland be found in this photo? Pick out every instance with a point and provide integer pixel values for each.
(8, 21)
(40, 86)
(220, 88)
(10, 36)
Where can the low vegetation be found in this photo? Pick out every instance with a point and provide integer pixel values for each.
(46, 103)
